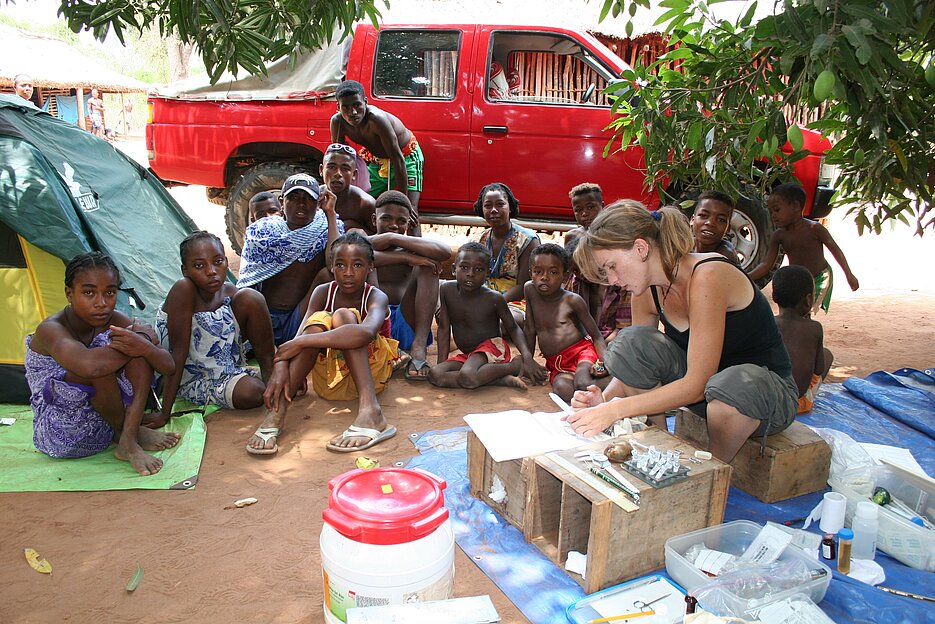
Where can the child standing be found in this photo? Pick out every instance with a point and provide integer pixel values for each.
(90, 369)
(609, 305)
(804, 241)
(557, 318)
(710, 222)
(203, 323)
(474, 313)
(345, 342)
(793, 292)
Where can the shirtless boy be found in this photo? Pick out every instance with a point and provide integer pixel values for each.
(556, 317)
(804, 241)
(803, 336)
(474, 313)
(282, 257)
(407, 268)
(264, 204)
(394, 159)
(710, 224)
(96, 113)
(338, 172)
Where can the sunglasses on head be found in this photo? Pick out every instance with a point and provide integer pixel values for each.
(340, 147)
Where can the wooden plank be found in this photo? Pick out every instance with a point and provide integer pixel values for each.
(598, 549)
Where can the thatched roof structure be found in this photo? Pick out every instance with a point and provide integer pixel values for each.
(53, 64)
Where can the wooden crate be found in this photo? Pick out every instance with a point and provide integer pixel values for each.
(795, 461)
(514, 474)
(568, 509)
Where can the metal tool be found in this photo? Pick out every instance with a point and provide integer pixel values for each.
(643, 606)
(600, 467)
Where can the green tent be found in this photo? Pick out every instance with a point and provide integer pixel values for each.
(63, 192)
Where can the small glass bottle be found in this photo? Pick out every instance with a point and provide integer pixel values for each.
(827, 547)
(845, 542)
(690, 604)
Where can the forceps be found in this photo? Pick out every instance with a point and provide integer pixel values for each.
(643, 606)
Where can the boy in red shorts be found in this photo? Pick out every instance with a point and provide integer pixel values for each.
(556, 317)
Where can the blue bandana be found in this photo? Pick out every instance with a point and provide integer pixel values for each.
(270, 246)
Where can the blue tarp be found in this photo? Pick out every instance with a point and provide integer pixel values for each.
(896, 409)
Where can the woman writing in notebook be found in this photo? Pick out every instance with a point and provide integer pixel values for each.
(720, 352)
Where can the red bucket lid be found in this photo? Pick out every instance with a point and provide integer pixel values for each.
(386, 505)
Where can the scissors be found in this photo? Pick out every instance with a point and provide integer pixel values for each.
(644, 606)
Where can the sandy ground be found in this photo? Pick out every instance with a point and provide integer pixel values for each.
(261, 563)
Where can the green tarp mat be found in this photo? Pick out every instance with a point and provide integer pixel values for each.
(24, 469)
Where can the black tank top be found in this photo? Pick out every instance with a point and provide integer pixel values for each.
(751, 335)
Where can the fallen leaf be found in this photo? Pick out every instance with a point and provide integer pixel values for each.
(37, 562)
(134, 581)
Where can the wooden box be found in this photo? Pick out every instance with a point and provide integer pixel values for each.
(569, 509)
(514, 475)
(795, 461)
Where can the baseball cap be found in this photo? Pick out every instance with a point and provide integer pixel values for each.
(301, 181)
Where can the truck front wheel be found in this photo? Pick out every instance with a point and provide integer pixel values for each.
(750, 230)
(267, 176)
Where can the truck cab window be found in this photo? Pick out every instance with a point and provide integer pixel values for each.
(546, 69)
(416, 64)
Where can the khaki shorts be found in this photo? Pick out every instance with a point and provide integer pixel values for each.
(643, 357)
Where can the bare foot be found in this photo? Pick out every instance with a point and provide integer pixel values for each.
(154, 420)
(511, 381)
(151, 440)
(368, 418)
(271, 421)
(144, 463)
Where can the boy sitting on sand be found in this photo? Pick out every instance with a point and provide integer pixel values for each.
(557, 318)
(793, 292)
(407, 268)
(474, 313)
(804, 241)
(710, 224)
(344, 341)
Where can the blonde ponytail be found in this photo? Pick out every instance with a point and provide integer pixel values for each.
(619, 226)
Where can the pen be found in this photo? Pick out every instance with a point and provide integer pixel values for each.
(796, 521)
(900, 592)
(565, 407)
(634, 495)
(625, 616)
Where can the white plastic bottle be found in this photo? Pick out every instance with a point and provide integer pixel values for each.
(865, 525)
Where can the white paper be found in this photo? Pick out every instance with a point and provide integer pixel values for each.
(712, 561)
(809, 542)
(793, 610)
(767, 546)
(474, 610)
(577, 562)
(669, 609)
(7, 421)
(518, 433)
(894, 454)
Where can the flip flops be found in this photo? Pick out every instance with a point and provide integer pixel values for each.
(414, 369)
(265, 433)
(376, 436)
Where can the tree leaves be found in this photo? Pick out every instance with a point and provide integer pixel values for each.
(861, 70)
(36, 562)
(136, 579)
(231, 35)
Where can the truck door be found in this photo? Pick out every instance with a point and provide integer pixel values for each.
(539, 119)
(418, 75)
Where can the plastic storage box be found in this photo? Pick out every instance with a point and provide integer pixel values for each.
(897, 536)
(734, 538)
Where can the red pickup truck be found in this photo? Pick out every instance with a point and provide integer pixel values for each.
(521, 105)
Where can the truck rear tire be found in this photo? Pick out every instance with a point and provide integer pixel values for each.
(267, 176)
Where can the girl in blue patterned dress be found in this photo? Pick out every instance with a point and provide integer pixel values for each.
(204, 322)
(89, 370)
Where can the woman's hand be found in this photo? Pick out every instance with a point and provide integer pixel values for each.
(288, 350)
(129, 343)
(277, 387)
(590, 421)
(587, 398)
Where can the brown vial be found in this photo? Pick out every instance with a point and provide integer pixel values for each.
(827, 547)
(690, 603)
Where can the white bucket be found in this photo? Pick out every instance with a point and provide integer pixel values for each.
(386, 540)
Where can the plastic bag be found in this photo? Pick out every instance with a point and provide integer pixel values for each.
(743, 590)
(846, 454)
